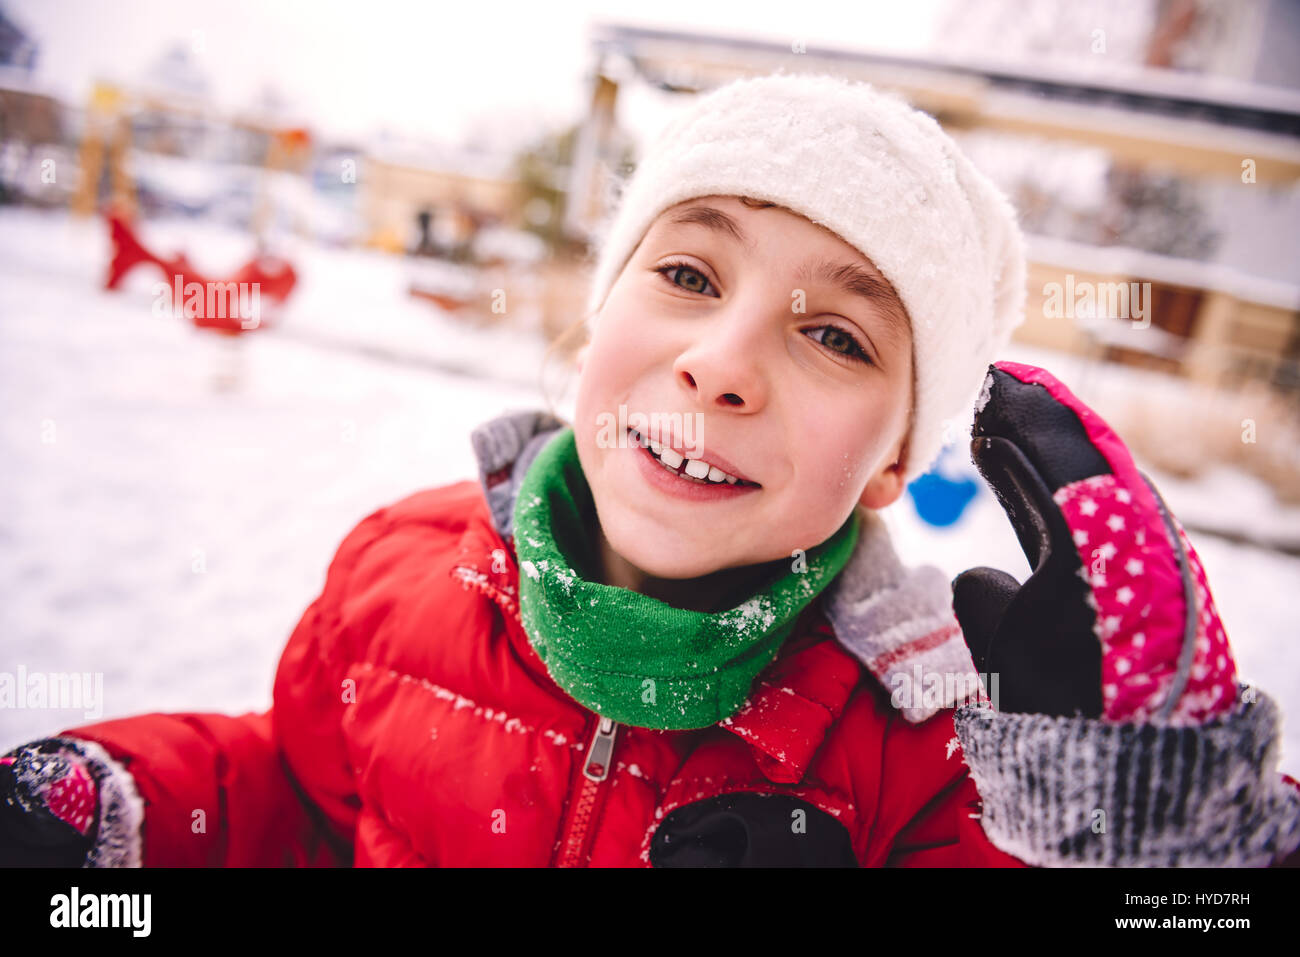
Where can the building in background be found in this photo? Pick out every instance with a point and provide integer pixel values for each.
(32, 128)
(1177, 163)
(454, 194)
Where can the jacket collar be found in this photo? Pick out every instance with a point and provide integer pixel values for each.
(895, 621)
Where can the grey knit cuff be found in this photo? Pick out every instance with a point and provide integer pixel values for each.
(119, 839)
(1077, 792)
(504, 447)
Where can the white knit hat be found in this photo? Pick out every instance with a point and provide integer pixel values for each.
(883, 177)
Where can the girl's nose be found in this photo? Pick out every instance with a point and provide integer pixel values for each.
(723, 367)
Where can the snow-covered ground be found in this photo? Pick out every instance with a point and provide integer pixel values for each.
(169, 534)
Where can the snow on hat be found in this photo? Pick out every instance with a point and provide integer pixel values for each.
(883, 177)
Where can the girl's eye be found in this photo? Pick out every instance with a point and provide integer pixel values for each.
(843, 343)
(840, 341)
(696, 281)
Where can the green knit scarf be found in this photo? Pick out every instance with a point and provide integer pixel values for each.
(628, 656)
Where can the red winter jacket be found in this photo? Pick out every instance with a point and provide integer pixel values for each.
(413, 724)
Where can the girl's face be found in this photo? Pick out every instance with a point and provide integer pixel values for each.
(767, 342)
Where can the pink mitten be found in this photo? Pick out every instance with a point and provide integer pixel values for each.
(1117, 620)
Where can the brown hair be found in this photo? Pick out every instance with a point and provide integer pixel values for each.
(564, 345)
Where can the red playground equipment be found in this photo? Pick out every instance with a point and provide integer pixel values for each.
(228, 306)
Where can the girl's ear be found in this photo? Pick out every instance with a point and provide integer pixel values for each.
(887, 484)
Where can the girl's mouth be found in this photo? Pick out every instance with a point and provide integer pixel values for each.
(696, 477)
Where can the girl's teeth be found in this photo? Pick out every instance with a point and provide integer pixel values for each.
(672, 460)
(670, 457)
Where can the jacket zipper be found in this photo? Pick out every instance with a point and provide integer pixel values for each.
(574, 846)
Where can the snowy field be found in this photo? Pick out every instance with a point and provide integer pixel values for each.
(169, 533)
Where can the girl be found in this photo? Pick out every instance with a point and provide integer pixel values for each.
(674, 632)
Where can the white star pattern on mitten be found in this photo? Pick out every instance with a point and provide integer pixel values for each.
(1144, 586)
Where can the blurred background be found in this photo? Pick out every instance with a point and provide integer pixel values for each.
(417, 193)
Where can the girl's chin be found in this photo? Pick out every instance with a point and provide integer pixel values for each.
(667, 561)
(669, 565)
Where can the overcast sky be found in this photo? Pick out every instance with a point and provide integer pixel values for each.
(436, 69)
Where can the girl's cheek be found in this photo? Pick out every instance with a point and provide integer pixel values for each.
(620, 361)
(593, 394)
(842, 464)
(636, 341)
(606, 382)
